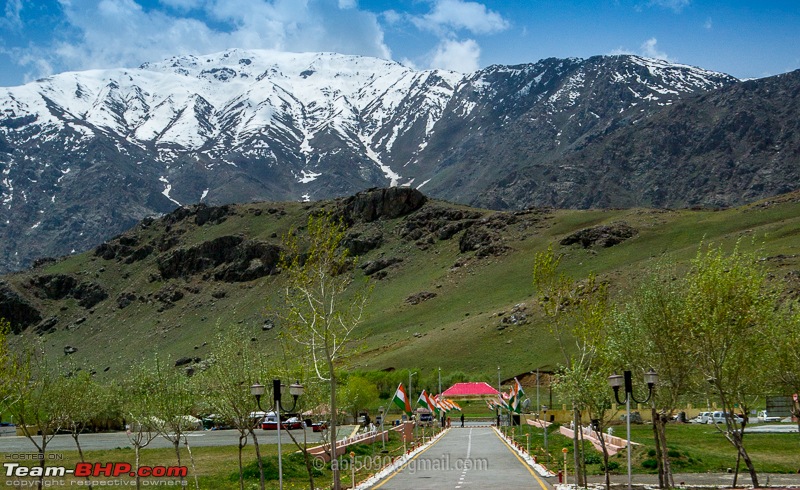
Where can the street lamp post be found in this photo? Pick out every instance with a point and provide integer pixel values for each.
(616, 381)
(296, 389)
(544, 426)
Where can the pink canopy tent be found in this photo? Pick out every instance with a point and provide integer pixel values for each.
(470, 390)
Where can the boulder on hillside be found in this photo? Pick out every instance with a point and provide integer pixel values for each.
(418, 298)
(376, 203)
(18, 311)
(602, 235)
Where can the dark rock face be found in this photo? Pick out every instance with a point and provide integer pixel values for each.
(603, 235)
(189, 261)
(388, 203)
(418, 298)
(227, 258)
(60, 286)
(374, 266)
(361, 243)
(439, 221)
(46, 326)
(18, 311)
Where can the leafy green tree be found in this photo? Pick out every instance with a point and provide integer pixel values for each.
(237, 366)
(6, 368)
(784, 356)
(358, 394)
(82, 400)
(730, 309)
(173, 403)
(649, 331)
(321, 310)
(577, 312)
(136, 400)
(35, 388)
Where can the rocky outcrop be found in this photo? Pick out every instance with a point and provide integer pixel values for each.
(60, 286)
(18, 311)
(436, 222)
(358, 243)
(603, 235)
(227, 258)
(418, 298)
(376, 203)
(374, 266)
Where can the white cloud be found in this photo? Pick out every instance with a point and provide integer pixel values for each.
(453, 15)
(182, 4)
(11, 16)
(116, 33)
(649, 49)
(460, 56)
(708, 24)
(675, 5)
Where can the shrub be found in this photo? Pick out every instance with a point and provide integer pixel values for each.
(650, 464)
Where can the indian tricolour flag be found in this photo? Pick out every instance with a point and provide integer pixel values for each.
(426, 401)
(401, 399)
(517, 394)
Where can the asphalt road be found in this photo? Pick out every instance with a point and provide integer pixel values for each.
(465, 458)
(63, 442)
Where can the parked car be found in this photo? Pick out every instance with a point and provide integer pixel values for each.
(718, 417)
(319, 426)
(764, 417)
(702, 418)
(636, 418)
(270, 422)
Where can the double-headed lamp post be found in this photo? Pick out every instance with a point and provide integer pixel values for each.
(615, 381)
(296, 389)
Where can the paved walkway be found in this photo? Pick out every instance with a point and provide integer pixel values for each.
(465, 458)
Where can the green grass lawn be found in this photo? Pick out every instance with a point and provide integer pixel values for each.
(693, 448)
(217, 467)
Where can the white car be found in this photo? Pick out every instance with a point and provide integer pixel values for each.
(719, 418)
(702, 418)
(764, 417)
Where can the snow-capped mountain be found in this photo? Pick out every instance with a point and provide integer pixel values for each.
(84, 155)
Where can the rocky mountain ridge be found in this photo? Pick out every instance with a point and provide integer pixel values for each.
(86, 155)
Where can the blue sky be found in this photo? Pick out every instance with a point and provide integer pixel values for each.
(747, 39)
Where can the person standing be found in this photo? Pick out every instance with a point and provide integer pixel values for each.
(462, 420)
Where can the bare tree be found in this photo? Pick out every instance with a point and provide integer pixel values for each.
(321, 310)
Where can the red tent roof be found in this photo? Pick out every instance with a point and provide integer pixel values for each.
(470, 389)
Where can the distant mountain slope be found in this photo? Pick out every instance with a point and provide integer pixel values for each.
(85, 155)
(721, 148)
(452, 284)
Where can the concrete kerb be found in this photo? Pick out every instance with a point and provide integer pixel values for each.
(398, 463)
(530, 460)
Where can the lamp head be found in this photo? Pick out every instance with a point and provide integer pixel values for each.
(651, 378)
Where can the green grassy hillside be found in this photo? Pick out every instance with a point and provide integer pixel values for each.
(460, 328)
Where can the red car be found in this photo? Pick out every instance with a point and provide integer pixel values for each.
(319, 426)
(271, 423)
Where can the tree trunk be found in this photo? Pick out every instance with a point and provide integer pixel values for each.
(576, 447)
(669, 479)
(607, 475)
(242, 442)
(659, 451)
(75, 434)
(258, 457)
(337, 484)
(137, 450)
